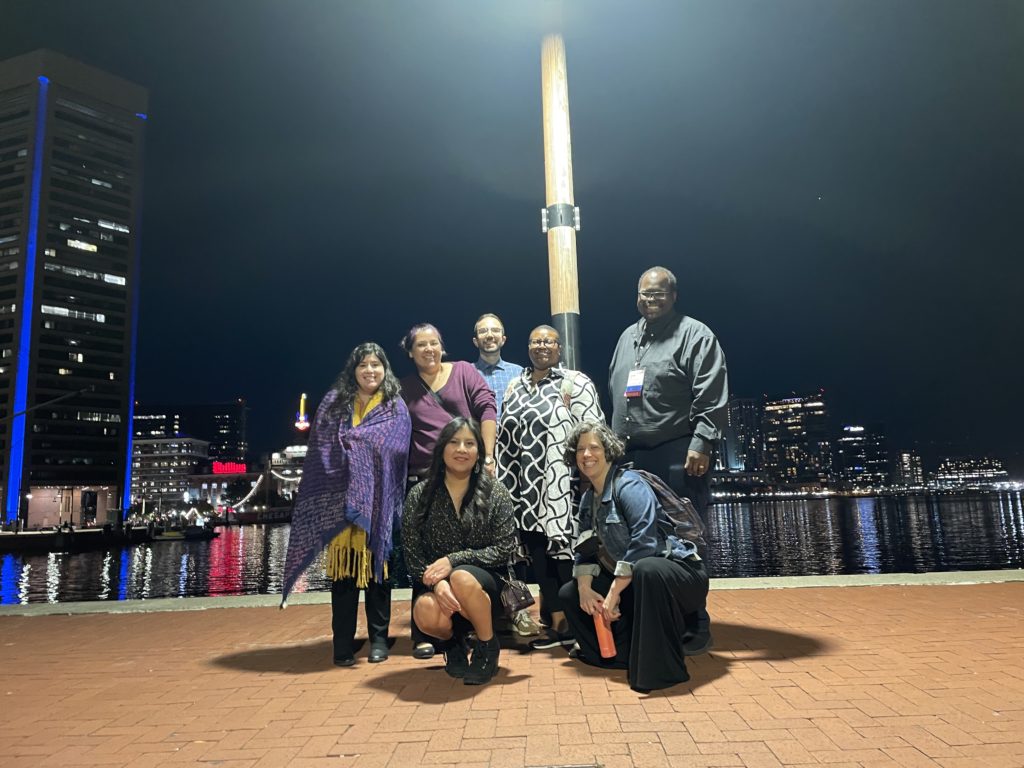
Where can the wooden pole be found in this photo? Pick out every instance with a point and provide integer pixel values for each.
(561, 217)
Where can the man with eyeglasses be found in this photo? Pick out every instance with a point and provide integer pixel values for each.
(489, 338)
(670, 394)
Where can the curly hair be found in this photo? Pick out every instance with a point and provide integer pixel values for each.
(347, 387)
(614, 448)
(480, 482)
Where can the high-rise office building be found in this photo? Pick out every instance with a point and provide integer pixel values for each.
(909, 469)
(162, 468)
(861, 457)
(743, 434)
(797, 450)
(222, 425)
(70, 208)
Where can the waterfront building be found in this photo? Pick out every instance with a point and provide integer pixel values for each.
(224, 485)
(161, 467)
(71, 139)
(969, 472)
(797, 450)
(222, 425)
(286, 471)
(743, 441)
(861, 458)
(909, 469)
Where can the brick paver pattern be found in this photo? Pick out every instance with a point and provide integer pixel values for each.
(853, 676)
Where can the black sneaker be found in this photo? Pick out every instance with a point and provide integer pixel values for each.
(484, 664)
(455, 660)
(552, 639)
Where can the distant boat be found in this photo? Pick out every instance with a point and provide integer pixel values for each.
(188, 533)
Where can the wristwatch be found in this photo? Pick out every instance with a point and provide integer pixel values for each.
(488, 461)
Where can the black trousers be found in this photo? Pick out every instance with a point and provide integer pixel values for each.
(649, 635)
(550, 573)
(344, 605)
(418, 588)
(667, 461)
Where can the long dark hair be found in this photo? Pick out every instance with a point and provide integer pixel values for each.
(480, 482)
(346, 384)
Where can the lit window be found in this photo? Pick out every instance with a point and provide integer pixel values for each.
(64, 371)
(49, 309)
(76, 357)
(50, 251)
(113, 225)
(115, 279)
(82, 245)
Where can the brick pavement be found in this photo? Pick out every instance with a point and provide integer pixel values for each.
(854, 676)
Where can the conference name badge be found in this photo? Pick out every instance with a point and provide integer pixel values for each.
(635, 383)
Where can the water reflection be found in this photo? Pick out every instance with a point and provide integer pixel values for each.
(763, 538)
(867, 535)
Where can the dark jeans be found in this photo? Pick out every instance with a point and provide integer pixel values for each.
(344, 605)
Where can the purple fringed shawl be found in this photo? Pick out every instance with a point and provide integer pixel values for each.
(350, 475)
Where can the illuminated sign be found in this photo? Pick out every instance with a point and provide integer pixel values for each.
(228, 468)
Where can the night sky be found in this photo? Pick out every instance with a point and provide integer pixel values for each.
(839, 187)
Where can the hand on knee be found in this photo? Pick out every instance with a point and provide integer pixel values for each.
(464, 585)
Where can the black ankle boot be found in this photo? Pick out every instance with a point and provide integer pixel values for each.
(484, 664)
(697, 639)
(455, 660)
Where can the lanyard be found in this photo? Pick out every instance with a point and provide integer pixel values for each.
(639, 350)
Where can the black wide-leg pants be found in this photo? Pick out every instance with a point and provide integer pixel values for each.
(649, 636)
(345, 604)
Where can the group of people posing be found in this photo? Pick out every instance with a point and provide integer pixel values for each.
(465, 469)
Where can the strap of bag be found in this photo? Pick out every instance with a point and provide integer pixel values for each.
(437, 399)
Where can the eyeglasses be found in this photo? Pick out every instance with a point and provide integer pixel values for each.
(535, 343)
(653, 294)
(495, 330)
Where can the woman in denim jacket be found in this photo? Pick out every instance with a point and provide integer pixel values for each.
(629, 569)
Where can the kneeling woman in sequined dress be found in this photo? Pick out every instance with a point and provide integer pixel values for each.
(459, 532)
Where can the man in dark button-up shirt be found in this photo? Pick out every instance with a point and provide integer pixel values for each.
(670, 395)
(669, 390)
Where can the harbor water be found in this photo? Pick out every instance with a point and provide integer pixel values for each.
(915, 534)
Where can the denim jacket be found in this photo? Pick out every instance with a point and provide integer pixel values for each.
(631, 526)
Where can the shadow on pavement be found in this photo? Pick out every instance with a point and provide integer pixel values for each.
(734, 643)
(299, 659)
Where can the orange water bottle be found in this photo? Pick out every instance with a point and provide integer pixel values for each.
(605, 641)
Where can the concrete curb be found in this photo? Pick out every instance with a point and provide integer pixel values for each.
(945, 578)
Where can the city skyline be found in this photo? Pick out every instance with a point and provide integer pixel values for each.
(836, 193)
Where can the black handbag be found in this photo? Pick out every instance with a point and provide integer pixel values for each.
(515, 595)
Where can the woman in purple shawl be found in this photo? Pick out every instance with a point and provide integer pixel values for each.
(350, 498)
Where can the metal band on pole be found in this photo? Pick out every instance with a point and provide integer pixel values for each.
(560, 219)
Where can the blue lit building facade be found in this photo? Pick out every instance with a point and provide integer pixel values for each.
(861, 458)
(71, 146)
